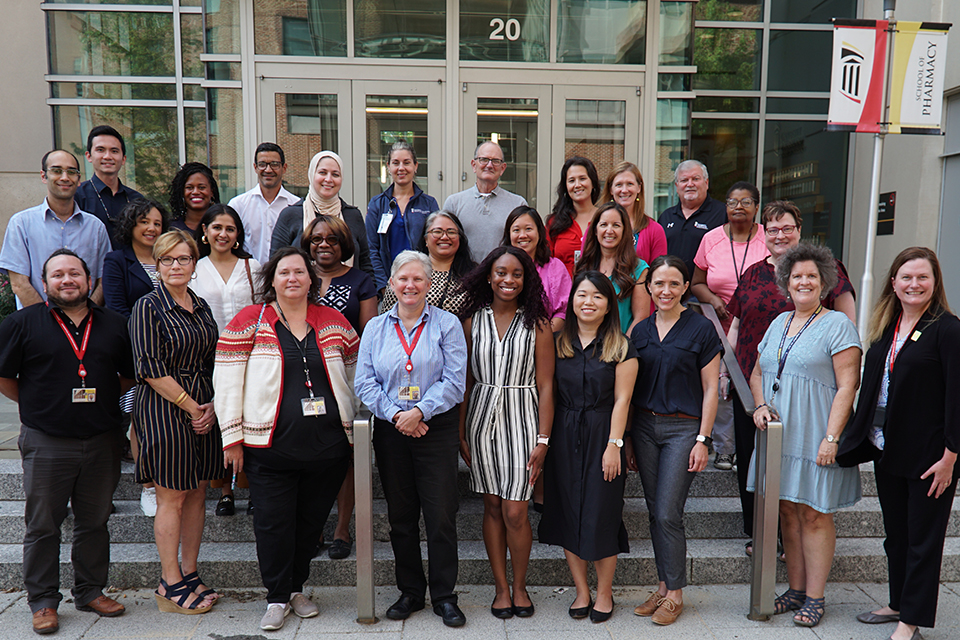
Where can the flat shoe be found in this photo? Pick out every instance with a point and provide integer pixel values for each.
(451, 614)
(45, 621)
(304, 606)
(602, 616)
(869, 617)
(649, 606)
(272, 620)
(580, 612)
(523, 612)
(502, 613)
(667, 612)
(225, 506)
(103, 606)
(916, 635)
(403, 607)
(339, 549)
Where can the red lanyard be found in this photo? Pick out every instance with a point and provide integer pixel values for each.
(82, 350)
(408, 348)
(893, 347)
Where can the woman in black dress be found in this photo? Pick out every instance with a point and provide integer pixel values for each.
(585, 468)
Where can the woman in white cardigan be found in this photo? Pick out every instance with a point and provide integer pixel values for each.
(283, 385)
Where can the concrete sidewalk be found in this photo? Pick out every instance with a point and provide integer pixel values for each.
(712, 612)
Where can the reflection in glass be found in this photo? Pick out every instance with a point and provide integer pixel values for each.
(797, 105)
(400, 28)
(505, 30)
(803, 163)
(222, 22)
(673, 146)
(674, 81)
(676, 33)
(306, 124)
(595, 129)
(732, 10)
(727, 104)
(805, 11)
(194, 92)
(728, 148)
(223, 71)
(602, 31)
(391, 119)
(191, 41)
(727, 59)
(225, 135)
(300, 28)
(148, 2)
(799, 60)
(113, 91)
(110, 44)
(512, 123)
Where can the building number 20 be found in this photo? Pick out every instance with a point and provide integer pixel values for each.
(511, 28)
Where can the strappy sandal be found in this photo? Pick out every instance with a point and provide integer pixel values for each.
(193, 581)
(791, 600)
(812, 610)
(173, 601)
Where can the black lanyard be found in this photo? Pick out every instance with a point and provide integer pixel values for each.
(743, 265)
(781, 354)
(301, 348)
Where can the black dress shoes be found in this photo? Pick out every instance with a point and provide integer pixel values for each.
(502, 613)
(601, 616)
(580, 612)
(451, 614)
(402, 608)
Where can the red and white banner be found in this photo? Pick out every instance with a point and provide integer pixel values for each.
(859, 70)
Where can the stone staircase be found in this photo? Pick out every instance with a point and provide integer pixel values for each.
(228, 556)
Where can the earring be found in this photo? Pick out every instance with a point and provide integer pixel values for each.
(236, 245)
(638, 198)
(204, 240)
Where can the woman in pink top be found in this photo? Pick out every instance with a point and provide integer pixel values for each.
(524, 230)
(624, 185)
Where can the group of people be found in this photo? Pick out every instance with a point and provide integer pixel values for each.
(241, 340)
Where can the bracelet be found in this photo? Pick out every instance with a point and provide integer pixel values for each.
(764, 404)
(542, 439)
(180, 398)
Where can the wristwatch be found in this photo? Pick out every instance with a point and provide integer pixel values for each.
(616, 441)
(831, 439)
(706, 440)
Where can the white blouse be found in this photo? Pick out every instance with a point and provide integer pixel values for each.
(226, 299)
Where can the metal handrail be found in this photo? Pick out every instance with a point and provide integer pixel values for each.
(363, 480)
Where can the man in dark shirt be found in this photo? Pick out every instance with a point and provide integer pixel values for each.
(686, 222)
(67, 362)
(104, 195)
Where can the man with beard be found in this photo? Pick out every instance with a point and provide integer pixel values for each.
(66, 362)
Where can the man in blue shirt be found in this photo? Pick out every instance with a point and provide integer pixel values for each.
(104, 195)
(686, 222)
(57, 223)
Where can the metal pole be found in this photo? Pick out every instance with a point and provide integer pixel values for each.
(363, 479)
(766, 514)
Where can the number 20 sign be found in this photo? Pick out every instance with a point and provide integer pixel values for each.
(510, 29)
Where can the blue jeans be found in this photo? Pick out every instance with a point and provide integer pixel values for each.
(662, 446)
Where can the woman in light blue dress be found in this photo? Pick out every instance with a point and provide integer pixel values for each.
(807, 374)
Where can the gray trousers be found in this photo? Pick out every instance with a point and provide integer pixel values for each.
(662, 446)
(55, 471)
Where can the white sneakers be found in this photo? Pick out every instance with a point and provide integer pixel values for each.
(148, 501)
(300, 604)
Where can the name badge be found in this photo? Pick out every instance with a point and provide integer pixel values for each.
(915, 336)
(576, 256)
(313, 406)
(409, 393)
(385, 221)
(84, 394)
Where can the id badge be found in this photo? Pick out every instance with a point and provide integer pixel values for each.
(576, 256)
(313, 406)
(84, 394)
(385, 221)
(410, 393)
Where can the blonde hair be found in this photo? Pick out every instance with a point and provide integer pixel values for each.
(639, 219)
(166, 242)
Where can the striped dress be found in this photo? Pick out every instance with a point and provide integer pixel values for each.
(503, 414)
(170, 341)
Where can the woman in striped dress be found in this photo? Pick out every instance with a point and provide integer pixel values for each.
(510, 386)
(174, 339)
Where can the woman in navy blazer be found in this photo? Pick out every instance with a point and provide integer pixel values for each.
(125, 271)
(908, 422)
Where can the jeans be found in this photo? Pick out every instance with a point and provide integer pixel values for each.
(724, 439)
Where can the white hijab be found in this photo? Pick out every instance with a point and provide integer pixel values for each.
(315, 205)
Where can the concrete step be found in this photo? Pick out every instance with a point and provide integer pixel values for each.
(234, 565)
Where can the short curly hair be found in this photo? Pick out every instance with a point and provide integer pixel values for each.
(808, 252)
(133, 213)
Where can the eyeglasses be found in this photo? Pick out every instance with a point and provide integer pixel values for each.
(746, 202)
(56, 172)
(331, 241)
(494, 161)
(273, 165)
(168, 261)
(773, 232)
(439, 233)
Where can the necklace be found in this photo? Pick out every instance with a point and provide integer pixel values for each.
(743, 265)
(781, 354)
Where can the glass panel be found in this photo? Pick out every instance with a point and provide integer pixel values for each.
(390, 119)
(194, 92)
(223, 70)
(806, 11)
(674, 82)
(109, 44)
(595, 129)
(190, 3)
(804, 163)
(797, 105)
(150, 134)
(729, 149)
(727, 104)
(306, 124)
(512, 123)
(673, 146)
(223, 26)
(602, 31)
(195, 131)
(505, 30)
(191, 41)
(113, 91)
(400, 28)
(225, 135)
(676, 29)
(800, 60)
(728, 59)
(151, 2)
(733, 10)
(298, 28)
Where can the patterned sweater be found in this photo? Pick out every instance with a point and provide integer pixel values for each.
(248, 374)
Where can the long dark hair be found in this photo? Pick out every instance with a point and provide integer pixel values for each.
(266, 293)
(178, 206)
(479, 293)
(212, 212)
(624, 273)
(133, 213)
(613, 344)
(542, 254)
(462, 262)
(561, 218)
